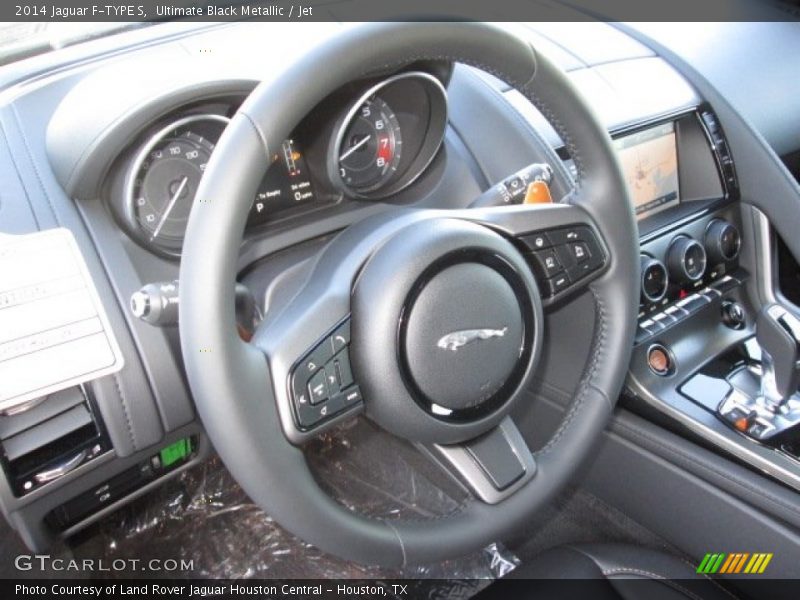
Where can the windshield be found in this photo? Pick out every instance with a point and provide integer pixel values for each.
(22, 40)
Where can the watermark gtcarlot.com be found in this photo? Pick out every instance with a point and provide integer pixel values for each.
(44, 562)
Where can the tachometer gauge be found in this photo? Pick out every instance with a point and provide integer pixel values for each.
(388, 136)
(370, 146)
(163, 180)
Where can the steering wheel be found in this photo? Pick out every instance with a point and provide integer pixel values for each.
(436, 314)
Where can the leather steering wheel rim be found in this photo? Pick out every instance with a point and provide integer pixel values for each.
(231, 381)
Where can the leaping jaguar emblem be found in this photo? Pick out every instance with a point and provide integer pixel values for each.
(455, 340)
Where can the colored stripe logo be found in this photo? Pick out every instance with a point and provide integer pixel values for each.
(735, 562)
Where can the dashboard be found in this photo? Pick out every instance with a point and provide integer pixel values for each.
(122, 174)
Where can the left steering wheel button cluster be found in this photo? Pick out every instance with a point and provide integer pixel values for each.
(322, 382)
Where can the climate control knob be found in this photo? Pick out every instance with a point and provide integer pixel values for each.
(722, 241)
(654, 279)
(686, 259)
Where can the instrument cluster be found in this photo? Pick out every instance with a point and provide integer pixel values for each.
(366, 142)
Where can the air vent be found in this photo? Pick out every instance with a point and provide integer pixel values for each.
(49, 440)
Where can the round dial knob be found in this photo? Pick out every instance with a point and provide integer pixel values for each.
(686, 259)
(733, 314)
(654, 279)
(722, 241)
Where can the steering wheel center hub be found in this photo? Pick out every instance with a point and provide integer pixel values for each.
(443, 345)
(461, 335)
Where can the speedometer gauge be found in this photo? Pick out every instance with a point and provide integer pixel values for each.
(164, 178)
(370, 146)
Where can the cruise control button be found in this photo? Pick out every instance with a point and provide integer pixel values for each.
(580, 251)
(318, 387)
(536, 241)
(547, 262)
(569, 235)
(557, 284)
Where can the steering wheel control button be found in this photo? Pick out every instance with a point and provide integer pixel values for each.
(341, 337)
(344, 375)
(351, 396)
(322, 381)
(580, 252)
(557, 284)
(318, 387)
(547, 262)
(315, 360)
(536, 241)
(573, 251)
(660, 360)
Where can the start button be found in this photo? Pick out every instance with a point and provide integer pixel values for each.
(659, 359)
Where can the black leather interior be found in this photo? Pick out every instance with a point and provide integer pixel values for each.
(628, 572)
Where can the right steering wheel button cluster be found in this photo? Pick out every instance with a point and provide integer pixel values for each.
(561, 257)
(322, 381)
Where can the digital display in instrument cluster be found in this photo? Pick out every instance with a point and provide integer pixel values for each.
(649, 161)
(287, 183)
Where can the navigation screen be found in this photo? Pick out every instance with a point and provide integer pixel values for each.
(649, 162)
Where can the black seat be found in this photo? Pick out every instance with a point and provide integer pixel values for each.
(611, 572)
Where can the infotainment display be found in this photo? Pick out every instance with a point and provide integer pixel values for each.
(649, 160)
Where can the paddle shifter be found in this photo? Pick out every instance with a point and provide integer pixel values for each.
(778, 334)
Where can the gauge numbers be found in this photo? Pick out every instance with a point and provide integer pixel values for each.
(165, 178)
(370, 146)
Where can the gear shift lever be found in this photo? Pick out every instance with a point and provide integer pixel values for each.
(764, 403)
(778, 334)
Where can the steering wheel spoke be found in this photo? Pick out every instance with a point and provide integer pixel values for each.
(493, 466)
(560, 242)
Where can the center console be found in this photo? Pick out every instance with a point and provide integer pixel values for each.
(706, 356)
